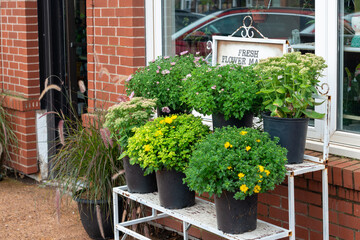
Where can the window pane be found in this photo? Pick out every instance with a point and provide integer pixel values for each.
(190, 24)
(349, 66)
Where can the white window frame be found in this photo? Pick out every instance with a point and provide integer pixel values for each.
(326, 45)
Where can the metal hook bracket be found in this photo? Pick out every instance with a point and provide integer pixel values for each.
(246, 29)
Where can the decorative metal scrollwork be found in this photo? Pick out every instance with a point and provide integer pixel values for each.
(246, 29)
(323, 89)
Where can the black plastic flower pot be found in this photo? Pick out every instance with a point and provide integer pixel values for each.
(135, 179)
(173, 193)
(219, 121)
(236, 216)
(89, 219)
(292, 133)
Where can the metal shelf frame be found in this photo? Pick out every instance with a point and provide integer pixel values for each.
(201, 215)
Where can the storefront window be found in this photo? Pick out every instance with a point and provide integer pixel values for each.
(189, 24)
(349, 66)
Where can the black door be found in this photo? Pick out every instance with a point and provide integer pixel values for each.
(63, 60)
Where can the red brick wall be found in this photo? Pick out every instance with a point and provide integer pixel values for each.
(116, 47)
(19, 80)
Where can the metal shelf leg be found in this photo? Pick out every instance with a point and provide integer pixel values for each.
(325, 204)
(116, 215)
(186, 227)
(291, 197)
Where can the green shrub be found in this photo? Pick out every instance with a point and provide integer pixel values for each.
(163, 79)
(229, 90)
(123, 117)
(167, 142)
(240, 160)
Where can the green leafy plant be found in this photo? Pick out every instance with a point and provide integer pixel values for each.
(124, 116)
(7, 135)
(87, 160)
(240, 160)
(229, 90)
(166, 142)
(288, 84)
(162, 80)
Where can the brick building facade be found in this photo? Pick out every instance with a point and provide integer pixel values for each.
(116, 47)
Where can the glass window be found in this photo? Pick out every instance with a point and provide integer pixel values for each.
(349, 66)
(189, 24)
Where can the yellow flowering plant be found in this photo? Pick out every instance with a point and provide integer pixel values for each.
(166, 142)
(241, 160)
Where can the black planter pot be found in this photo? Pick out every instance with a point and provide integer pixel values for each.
(292, 133)
(135, 179)
(173, 193)
(88, 216)
(219, 121)
(236, 216)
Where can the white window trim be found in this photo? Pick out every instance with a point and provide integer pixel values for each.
(326, 45)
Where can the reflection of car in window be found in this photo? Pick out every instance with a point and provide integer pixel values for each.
(279, 23)
(184, 18)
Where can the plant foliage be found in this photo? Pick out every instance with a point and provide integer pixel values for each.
(7, 134)
(123, 117)
(229, 90)
(87, 160)
(162, 80)
(240, 160)
(288, 84)
(167, 142)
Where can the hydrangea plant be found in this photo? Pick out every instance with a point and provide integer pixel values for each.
(288, 84)
(123, 117)
(240, 160)
(163, 79)
(229, 90)
(166, 143)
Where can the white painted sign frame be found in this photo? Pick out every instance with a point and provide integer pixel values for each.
(241, 43)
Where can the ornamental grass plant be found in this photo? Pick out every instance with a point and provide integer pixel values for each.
(166, 142)
(87, 160)
(288, 84)
(162, 79)
(229, 90)
(7, 136)
(244, 161)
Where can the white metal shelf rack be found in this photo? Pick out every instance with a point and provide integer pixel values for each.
(202, 214)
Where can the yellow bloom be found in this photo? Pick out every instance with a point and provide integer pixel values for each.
(162, 122)
(227, 145)
(257, 189)
(248, 148)
(260, 176)
(261, 168)
(260, 181)
(158, 133)
(243, 133)
(244, 188)
(267, 172)
(147, 148)
(173, 126)
(241, 175)
(168, 120)
(229, 167)
(258, 140)
(173, 117)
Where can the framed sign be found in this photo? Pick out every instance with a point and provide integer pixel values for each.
(246, 51)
